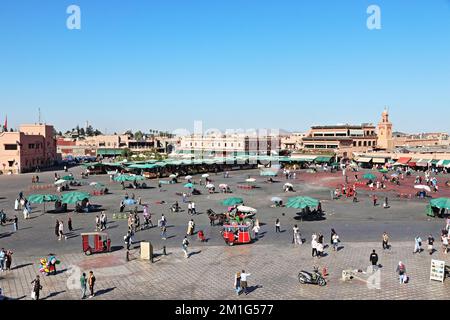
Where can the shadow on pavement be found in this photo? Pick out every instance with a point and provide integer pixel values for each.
(104, 291)
(54, 294)
(22, 266)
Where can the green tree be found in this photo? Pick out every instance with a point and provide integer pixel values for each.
(126, 153)
(89, 131)
(138, 135)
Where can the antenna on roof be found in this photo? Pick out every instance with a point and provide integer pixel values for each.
(39, 112)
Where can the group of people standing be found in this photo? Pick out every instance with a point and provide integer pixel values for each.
(5, 260)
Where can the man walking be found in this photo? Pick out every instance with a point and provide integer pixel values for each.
(2, 259)
(374, 260)
(91, 282)
(277, 226)
(244, 283)
(61, 231)
(83, 282)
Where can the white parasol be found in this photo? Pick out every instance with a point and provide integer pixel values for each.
(423, 187)
(245, 209)
(205, 175)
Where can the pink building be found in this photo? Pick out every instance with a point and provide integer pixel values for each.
(31, 147)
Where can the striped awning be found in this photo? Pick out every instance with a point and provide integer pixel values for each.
(363, 159)
(422, 163)
(379, 160)
(403, 160)
(444, 163)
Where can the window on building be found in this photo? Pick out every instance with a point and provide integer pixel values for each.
(354, 143)
(365, 143)
(359, 143)
(369, 143)
(31, 146)
(10, 146)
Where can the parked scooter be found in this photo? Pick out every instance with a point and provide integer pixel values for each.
(315, 277)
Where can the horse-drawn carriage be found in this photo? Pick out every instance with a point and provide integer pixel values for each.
(241, 215)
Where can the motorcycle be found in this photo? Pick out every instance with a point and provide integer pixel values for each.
(315, 277)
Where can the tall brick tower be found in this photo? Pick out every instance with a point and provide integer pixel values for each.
(385, 132)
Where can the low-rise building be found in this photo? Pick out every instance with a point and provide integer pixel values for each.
(342, 140)
(222, 145)
(32, 146)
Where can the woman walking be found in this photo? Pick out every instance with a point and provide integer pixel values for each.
(36, 288)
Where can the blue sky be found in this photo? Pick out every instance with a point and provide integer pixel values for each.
(288, 64)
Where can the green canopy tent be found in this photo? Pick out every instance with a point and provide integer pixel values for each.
(441, 203)
(302, 202)
(74, 197)
(189, 185)
(68, 178)
(268, 173)
(369, 176)
(126, 177)
(232, 201)
(383, 170)
(42, 198)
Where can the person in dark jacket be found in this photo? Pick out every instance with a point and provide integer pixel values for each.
(374, 259)
(36, 287)
(57, 229)
(333, 232)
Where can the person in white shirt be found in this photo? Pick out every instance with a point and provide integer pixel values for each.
(190, 207)
(256, 230)
(61, 231)
(314, 244)
(297, 237)
(193, 208)
(244, 283)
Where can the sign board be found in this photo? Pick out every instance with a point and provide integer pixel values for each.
(146, 251)
(437, 271)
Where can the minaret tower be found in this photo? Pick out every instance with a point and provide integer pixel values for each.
(385, 132)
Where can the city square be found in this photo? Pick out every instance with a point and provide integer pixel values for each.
(273, 260)
(177, 156)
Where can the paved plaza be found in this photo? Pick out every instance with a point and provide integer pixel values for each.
(273, 260)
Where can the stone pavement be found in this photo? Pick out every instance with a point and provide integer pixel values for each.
(209, 274)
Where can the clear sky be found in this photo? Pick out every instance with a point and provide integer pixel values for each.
(161, 64)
